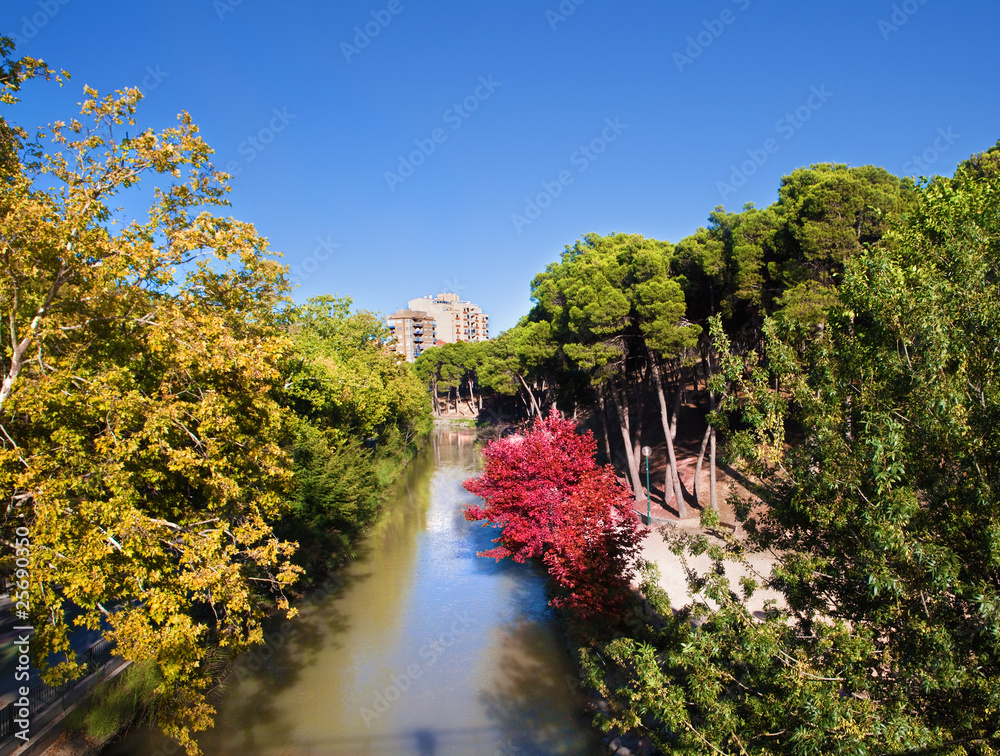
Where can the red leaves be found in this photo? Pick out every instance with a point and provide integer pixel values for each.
(595, 545)
(546, 492)
(525, 479)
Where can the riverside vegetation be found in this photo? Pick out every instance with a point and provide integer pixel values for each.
(169, 422)
(186, 448)
(844, 343)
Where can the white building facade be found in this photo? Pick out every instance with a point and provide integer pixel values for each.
(443, 319)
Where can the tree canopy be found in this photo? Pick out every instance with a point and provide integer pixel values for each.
(170, 426)
(870, 430)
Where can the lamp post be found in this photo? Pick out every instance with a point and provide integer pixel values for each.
(646, 451)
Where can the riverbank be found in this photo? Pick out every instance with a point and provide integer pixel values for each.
(420, 647)
(457, 422)
(81, 741)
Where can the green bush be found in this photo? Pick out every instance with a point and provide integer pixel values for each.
(114, 704)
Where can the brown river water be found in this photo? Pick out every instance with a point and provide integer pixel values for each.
(420, 648)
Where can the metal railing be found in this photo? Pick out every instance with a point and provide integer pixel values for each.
(41, 695)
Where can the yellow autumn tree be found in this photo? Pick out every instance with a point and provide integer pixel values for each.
(141, 443)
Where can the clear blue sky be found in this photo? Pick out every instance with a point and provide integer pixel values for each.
(665, 98)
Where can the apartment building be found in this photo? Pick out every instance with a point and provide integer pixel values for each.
(443, 318)
(413, 331)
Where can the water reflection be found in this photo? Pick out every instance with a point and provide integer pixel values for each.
(424, 649)
(517, 701)
(426, 743)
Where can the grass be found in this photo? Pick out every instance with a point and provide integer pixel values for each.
(470, 421)
(115, 704)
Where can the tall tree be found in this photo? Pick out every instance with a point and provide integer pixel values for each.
(617, 314)
(876, 460)
(658, 302)
(450, 367)
(536, 353)
(141, 437)
(583, 297)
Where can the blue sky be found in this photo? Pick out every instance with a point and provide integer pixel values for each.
(397, 148)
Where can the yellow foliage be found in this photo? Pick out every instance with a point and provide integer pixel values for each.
(141, 443)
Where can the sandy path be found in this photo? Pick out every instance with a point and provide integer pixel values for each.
(674, 582)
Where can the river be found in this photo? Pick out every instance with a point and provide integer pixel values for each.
(423, 648)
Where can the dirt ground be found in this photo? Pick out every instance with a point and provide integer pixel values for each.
(687, 444)
(71, 744)
(673, 578)
(691, 428)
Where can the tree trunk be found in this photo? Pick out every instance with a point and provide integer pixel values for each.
(705, 368)
(709, 439)
(637, 436)
(19, 351)
(672, 481)
(534, 403)
(604, 424)
(472, 398)
(621, 407)
(697, 467)
(677, 405)
(711, 442)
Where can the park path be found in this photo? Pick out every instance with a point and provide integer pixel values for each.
(665, 520)
(673, 579)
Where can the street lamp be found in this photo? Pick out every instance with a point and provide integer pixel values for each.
(646, 451)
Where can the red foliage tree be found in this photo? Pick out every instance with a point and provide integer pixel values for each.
(525, 478)
(594, 545)
(552, 501)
